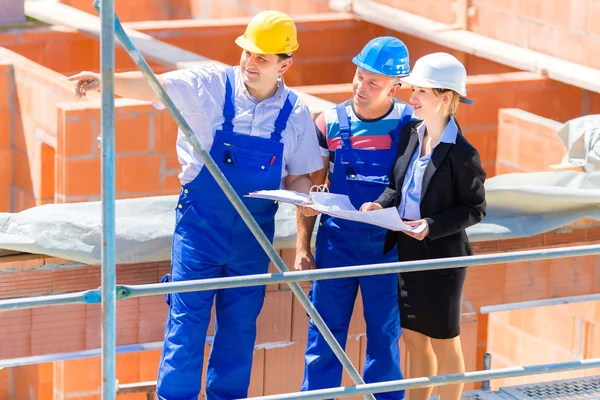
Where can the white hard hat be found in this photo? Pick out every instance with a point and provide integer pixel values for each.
(439, 71)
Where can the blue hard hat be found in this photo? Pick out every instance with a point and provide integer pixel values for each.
(384, 55)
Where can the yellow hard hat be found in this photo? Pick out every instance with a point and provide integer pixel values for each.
(269, 32)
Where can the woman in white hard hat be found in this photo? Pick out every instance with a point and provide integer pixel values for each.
(436, 185)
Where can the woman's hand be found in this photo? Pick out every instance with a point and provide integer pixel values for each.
(422, 234)
(370, 206)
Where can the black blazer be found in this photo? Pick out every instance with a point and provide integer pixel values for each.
(452, 197)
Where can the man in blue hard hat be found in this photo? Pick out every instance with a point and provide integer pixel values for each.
(358, 141)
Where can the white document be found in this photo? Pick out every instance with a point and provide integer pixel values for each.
(286, 196)
(339, 205)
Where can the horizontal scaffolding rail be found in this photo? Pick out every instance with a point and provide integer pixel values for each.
(416, 383)
(130, 291)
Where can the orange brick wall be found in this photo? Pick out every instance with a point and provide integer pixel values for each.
(33, 123)
(7, 121)
(145, 141)
(563, 28)
(545, 335)
(339, 37)
(527, 142)
(437, 10)
(141, 320)
(492, 93)
(6, 383)
(64, 50)
(152, 10)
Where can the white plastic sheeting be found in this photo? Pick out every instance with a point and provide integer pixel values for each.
(581, 136)
(519, 205)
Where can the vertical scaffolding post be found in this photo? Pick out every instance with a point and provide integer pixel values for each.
(487, 365)
(107, 62)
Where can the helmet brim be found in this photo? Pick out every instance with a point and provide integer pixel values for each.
(248, 45)
(426, 83)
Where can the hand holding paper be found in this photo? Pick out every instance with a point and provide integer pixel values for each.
(338, 205)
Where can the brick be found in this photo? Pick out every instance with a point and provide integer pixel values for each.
(127, 321)
(23, 200)
(257, 377)
(148, 367)
(47, 177)
(82, 177)
(82, 375)
(5, 130)
(128, 367)
(6, 383)
(527, 280)
(22, 171)
(432, 9)
(144, 183)
(572, 47)
(353, 351)
(485, 141)
(592, 45)
(165, 132)
(25, 284)
(593, 14)
(133, 134)
(152, 318)
(54, 330)
(485, 285)
(300, 320)
(15, 330)
(274, 323)
(6, 166)
(170, 175)
(21, 262)
(571, 276)
(284, 366)
(493, 22)
(79, 136)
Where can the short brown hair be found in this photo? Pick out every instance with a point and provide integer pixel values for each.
(284, 56)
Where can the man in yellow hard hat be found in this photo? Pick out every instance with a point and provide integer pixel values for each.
(262, 137)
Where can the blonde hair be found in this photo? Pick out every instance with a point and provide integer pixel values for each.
(453, 105)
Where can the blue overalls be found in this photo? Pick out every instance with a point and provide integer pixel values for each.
(362, 175)
(210, 241)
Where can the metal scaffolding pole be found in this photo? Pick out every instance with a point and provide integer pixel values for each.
(129, 291)
(232, 195)
(109, 298)
(432, 381)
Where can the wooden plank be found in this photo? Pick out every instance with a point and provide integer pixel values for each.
(138, 387)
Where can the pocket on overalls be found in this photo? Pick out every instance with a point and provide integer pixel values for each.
(249, 159)
(370, 175)
(165, 279)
